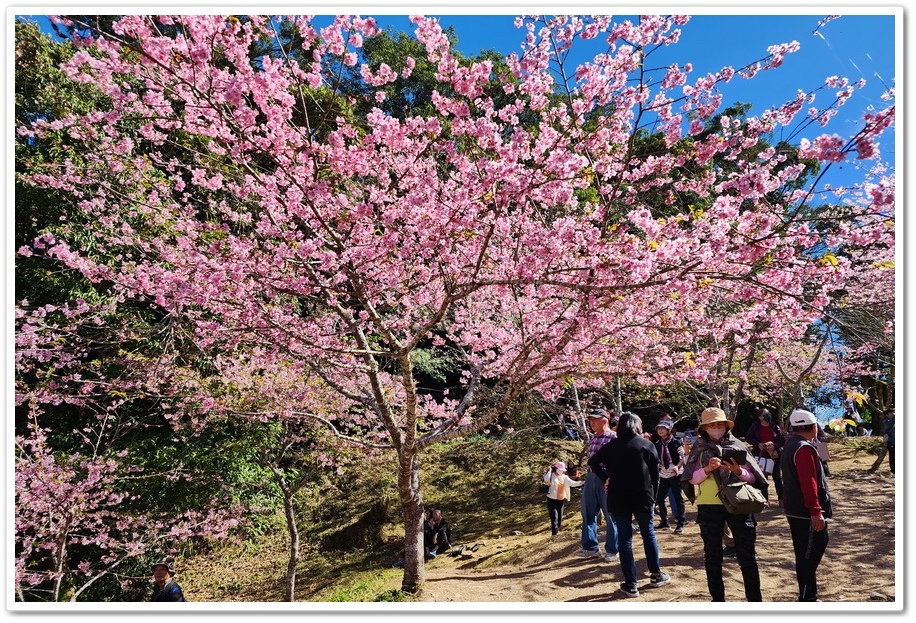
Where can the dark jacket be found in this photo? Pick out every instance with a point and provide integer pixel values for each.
(793, 496)
(440, 532)
(170, 592)
(752, 437)
(673, 444)
(629, 464)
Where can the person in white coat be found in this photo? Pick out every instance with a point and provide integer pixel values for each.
(558, 494)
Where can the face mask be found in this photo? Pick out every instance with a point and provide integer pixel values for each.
(767, 418)
(716, 433)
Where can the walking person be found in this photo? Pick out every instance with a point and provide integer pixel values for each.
(705, 469)
(559, 484)
(766, 440)
(671, 454)
(807, 501)
(629, 466)
(164, 586)
(594, 495)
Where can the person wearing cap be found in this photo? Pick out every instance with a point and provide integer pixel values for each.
(594, 495)
(807, 501)
(559, 484)
(671, 453)
(704, 469)
(164, 586)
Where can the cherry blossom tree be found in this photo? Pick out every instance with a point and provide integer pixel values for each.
(228, 189)
(96, 493)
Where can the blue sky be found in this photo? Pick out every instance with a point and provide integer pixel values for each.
(861, 43)
(853, 45)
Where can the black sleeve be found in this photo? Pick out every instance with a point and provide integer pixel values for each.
(652, 463)
(597, 462)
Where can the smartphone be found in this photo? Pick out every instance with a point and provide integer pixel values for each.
(740, 456)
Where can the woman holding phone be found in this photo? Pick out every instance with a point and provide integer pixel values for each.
(706, 469)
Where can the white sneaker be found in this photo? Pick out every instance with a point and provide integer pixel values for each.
(585, 553)
(610, 558)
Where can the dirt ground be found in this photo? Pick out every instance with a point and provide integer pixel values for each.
(859, 565)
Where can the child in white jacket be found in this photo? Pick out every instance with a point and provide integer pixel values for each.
(558, 494)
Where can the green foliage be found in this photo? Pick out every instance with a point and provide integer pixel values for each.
(369, 587)
(43, 92)
(434, 363)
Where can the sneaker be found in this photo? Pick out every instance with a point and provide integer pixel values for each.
(659, 580)
(610, 557)
(728, 552)
(585, 553)
(630, 590)
(663, 524)
(679, 529)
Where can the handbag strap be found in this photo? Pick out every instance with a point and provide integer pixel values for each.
(715, 474)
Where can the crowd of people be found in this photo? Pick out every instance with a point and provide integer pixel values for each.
(633, 475)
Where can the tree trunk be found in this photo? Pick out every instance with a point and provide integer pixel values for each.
(292, 528)
(581, 425)
(412, 506)
(59, 560)
(882, 452)
(618, 396)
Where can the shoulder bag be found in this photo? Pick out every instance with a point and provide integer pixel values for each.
(739, 497)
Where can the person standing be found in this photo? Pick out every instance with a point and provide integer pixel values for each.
(807, 501)
(559, 484)
(671, 454)
(705, 469)
(164, 586)
(889, 437)
(766, 440)
(823, 450)
(629, 468)
(594, 495)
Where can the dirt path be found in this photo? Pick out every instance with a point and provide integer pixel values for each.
(859, 565)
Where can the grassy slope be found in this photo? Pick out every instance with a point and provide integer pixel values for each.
(351, 531)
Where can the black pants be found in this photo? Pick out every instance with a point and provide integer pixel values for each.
(890, 456)
(809, 548)
(712, 519)
(555, 510)
(777, 479)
